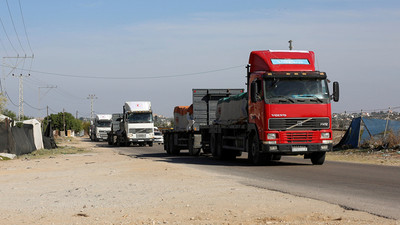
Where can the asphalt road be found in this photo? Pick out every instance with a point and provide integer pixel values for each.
(369, 188)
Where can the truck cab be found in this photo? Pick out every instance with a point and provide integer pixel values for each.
(101, 126)
(289, 106)
(137, 124)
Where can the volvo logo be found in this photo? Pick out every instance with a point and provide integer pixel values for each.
(278, 115)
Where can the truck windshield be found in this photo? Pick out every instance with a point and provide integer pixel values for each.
(103, 123)
(284, 90)
(140, 118)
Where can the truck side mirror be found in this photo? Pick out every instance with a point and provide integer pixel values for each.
(336, 91)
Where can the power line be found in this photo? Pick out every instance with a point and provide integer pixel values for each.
(16, 33)
(10, 99)
(33, 106)
(23, 22)
(8, 38)
(130, 78)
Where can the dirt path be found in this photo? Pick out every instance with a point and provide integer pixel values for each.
(102, 187)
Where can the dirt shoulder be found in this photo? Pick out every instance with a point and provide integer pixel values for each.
(103, 187)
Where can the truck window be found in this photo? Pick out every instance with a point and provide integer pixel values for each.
(256, 91)
(102, 123)
(140, 118)
(296, 90)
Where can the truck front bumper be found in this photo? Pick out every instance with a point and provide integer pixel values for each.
(295, 149)
(140, 140)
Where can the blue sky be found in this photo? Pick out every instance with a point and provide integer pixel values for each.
(356, 43)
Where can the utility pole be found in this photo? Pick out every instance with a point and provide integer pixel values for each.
(21, 96)
(290, 44)
(49, 87)
(12, 67)
(92, 98)
(65, 130)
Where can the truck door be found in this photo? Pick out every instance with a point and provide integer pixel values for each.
(256, 106)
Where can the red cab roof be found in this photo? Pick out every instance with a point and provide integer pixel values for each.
(281, 60)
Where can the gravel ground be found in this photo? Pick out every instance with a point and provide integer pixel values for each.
(102, 187)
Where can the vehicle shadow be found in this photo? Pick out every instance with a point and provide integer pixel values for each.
(207, 159)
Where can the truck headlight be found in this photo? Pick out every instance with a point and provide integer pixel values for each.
(325, 135)
(271, 136)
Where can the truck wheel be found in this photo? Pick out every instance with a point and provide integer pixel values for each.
(166, 144)
(192, 151)
(174, 150)
(150, 144)
(318, 158)
(255, 156)
(215, 146)
(114, 140)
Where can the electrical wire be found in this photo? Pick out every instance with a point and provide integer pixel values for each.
(23, 22)
(10, 99)
(33, 106)
(8, 38)
(132, 78)
(13, 24)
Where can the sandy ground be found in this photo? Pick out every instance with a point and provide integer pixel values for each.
(102, 187)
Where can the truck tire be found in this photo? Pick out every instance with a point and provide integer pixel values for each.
(318, 158)
(255, 156)
(173, 149)
(114, 140)
(215, 146)
(192, 151)
(150, 144)
(166, 144)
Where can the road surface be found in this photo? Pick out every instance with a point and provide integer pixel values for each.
(369, 188)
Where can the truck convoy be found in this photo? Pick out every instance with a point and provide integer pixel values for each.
(101, 125)
(286, 111)
(136, 125)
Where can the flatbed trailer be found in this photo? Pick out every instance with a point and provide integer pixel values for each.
(196, 137)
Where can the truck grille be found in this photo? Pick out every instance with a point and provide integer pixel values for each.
(141, 130)
(299, 137)
(298, 123)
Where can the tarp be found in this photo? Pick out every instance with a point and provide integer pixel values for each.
(48, 137)
(376, 127)
(368, 128)
(37, 132)
(350, 138)
(5, 137)
(3, 117)
(183, 117)
(20, 140)
(23, 139)
(232, 110)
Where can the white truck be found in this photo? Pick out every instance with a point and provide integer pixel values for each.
(136, 125)
(101, 125)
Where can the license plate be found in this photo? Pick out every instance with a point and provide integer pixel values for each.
(299, 149)
(140, 135)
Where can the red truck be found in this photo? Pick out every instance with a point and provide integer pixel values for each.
(286, 111)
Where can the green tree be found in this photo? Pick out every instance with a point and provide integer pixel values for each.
(57, 121)
(10, 114)
(86, 126)
(13, 116)
(3, 102)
